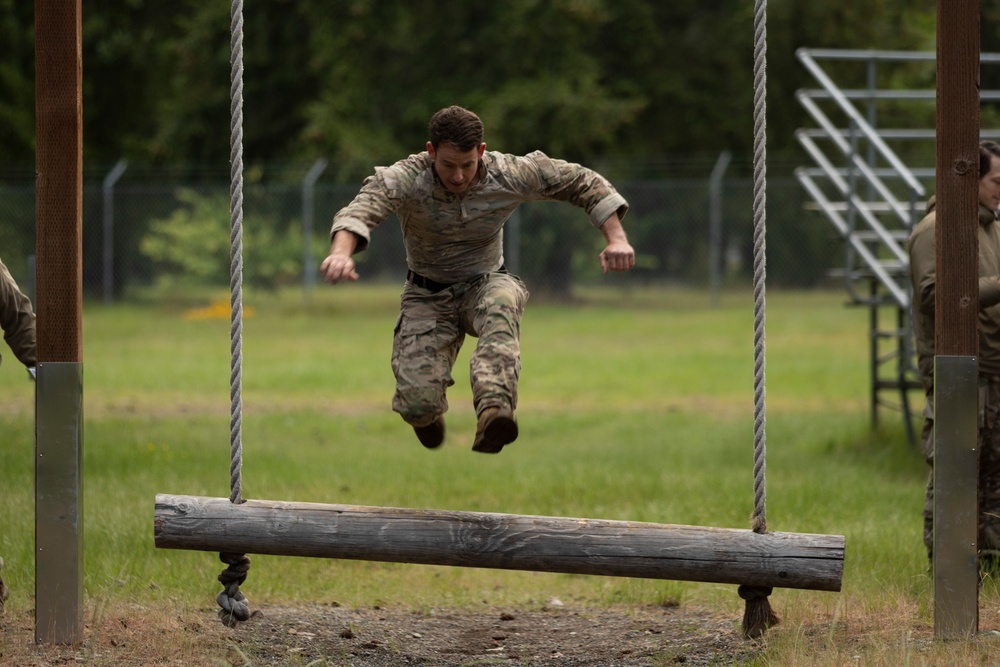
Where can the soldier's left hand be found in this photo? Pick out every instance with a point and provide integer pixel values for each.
(617, 256)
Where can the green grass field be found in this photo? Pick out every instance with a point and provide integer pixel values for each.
(633, 406)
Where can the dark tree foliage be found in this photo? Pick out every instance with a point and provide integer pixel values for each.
(17, 83)
(356, 80)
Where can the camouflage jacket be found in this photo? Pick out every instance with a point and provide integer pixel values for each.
(17, 319)
(923, 277)
(451, 238)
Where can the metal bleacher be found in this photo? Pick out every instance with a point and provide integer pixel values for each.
(871, 181)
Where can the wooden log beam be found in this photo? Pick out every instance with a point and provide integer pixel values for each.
(504, 541)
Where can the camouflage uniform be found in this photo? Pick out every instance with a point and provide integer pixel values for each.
(922, 276)
(456, 241)
(17, 319)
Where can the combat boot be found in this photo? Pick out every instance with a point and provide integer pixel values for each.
(496, 427)
(432, 435)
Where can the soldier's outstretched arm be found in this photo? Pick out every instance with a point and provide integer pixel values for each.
(339, 264)
(618, 255)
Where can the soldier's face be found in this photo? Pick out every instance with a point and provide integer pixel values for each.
(456, 169)
(989, 185)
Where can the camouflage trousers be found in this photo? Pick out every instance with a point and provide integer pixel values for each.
(430, 331)
(988, 447)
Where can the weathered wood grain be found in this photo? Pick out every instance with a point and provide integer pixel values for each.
(505, 541)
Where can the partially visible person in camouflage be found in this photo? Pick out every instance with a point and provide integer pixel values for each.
(17, 319)
(923, 279)
(452, 201)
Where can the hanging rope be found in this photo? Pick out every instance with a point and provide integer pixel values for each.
(759, 269)
(235, 606)
(236, 259)
(758, 615)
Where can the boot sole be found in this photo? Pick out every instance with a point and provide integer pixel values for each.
(499, 432)
(429, 436)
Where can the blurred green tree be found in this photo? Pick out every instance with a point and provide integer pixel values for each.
(356, 80)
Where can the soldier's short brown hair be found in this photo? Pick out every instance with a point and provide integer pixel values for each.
(456, 126)
(987, 149)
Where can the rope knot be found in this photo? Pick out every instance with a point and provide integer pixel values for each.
(235, 606)
(757, 614)
(754, 592)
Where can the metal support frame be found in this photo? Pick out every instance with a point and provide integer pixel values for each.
(873, 199)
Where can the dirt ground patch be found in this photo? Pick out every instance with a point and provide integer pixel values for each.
(554, 635)
(316, 635)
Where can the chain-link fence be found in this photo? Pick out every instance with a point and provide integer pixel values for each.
(143, 234)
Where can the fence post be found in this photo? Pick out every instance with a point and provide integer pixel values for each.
(308, 199)
(715, 222)
(108, 192)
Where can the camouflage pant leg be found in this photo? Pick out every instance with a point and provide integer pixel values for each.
(425, 345)
(927, 444)
(493, 312)
(989, 468)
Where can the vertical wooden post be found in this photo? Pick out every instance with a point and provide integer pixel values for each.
(956, 612)
(58, 400)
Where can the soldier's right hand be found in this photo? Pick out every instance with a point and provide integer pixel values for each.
(338, 267)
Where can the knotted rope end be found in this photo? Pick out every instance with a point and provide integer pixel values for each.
(758, 616)
(235, 606)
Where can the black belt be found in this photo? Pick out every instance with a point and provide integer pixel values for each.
(433, 285)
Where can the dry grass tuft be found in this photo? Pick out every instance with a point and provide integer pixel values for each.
(120, 635)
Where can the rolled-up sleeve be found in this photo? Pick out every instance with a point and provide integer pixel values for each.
(570, 182)
(611, 204)
(372, 205)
